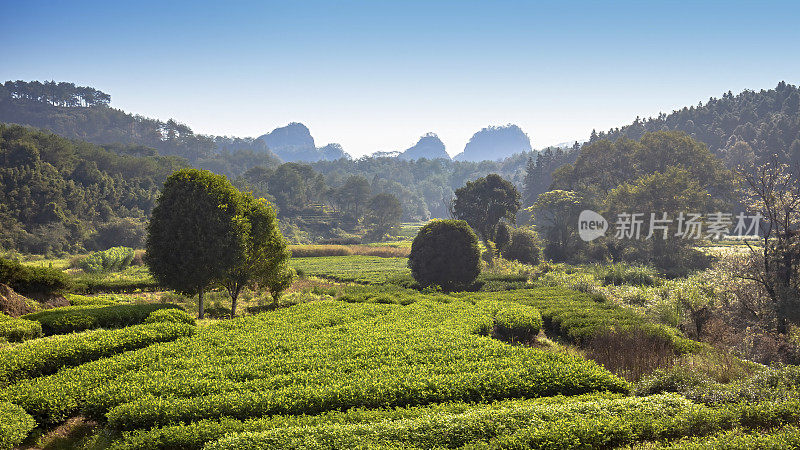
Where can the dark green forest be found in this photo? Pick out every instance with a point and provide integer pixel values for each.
(58, 195)
(743, 130)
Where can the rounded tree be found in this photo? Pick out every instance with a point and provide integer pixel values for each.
(523, 246)
(196, 232)
(445, 253)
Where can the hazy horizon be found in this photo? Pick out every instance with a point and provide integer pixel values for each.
(374, 76)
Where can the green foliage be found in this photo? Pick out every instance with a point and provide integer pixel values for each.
(32, 280)
(483, 203)
(353, 268)
(555, 212)
(194, 435)
(384, 212)
(523, 246)
(69, 319)
(600, 423)
(765, 120)
(46, 356)
(211, 207)
(98, 300)
(445, 253)
(61, 195)
(115, 258)
(515, 323)
(428, 352)
(15, 424)
(263, 257)
(502, 236)
(18, 330)
(620, 273)
(172, 315)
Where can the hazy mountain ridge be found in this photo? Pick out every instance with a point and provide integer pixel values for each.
(495, 143)
(429, 146)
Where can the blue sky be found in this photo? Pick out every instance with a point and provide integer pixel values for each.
(376, 75)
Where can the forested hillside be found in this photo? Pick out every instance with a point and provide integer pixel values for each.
(60, 195)
(742, 129)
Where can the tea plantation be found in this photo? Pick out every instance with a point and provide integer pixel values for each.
(375, 364)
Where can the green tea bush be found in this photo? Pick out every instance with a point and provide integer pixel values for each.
(46, 356)
(79, 318)
(15, 424)
(778, 439)
(604, 423)
(115, 258)
(18, 330)
(516, 323)
(172, 315)
(33, 280)
(82, 300)
(195, 434)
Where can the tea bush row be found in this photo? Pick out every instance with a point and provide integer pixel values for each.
(194, 435)
(46, 356)
(29, 281)
(312, 358)
(422, 353)
(18, 330)
(70, 319)
(15, 424)
(604, 423)
(115, 258)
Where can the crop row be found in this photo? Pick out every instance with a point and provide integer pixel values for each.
(604, 423)
(15, 424)
(194, 435)
(18, 330)
(578, 317)
(353, 268)
(70, 319)
(322, 356)
(46, 356)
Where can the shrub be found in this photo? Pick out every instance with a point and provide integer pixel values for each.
(445, 253)
(78, 318)
(82, 300)
(170, 315)
(32, 280)
(502, 236)
(517, 323)
(523, 246)
(15, 424)
(46, 356)
(115, 258)
(620, 273)
(18, 330)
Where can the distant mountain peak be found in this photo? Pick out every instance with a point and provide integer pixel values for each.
(494, 143)
(428, 146)
(294, 142)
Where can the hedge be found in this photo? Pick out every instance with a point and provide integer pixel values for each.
(79, 318)
(46, 356)
(15, 424)
(18, 330)
(33, 280)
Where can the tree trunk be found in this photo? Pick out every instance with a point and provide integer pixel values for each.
(234, 298)
(200, 311)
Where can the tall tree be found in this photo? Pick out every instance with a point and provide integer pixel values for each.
(264, 253)
(197, 232)
(384, 213)
(484, 202)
